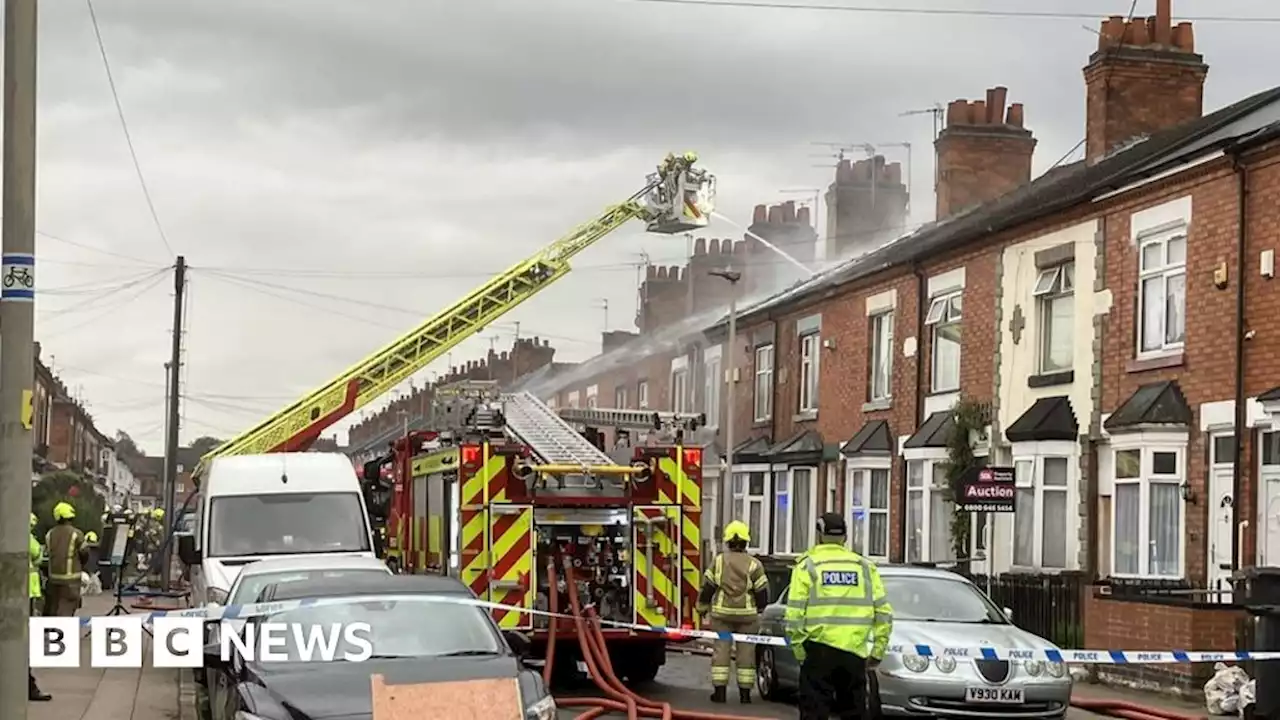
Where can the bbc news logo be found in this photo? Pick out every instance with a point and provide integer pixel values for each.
(178, 642)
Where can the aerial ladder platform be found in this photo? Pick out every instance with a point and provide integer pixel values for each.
(678, 197)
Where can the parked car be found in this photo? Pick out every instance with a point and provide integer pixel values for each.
(256, 576)
(940, 609)
(414, 640)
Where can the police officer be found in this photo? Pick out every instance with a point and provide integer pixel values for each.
(65, 546)
(734, 591)
(836, 606)
(34, 552)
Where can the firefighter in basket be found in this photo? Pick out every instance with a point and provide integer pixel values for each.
(734, 593)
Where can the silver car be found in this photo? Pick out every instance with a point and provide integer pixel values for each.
(942, 610)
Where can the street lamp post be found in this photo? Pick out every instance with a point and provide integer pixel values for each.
(726, 468)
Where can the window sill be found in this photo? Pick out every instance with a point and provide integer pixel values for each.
(761, 424)
(1155, 362)
(932, 393)
(805, 416)
(1065, 377)
(874, 405)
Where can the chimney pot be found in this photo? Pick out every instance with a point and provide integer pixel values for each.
(1138, 34)
(996, 99)
(893, 174)
(1164, 23)
(979, 112)
(760, 215)
(651, 272)
(1184, 37)
(662, 272)
(775, 214)
(789, 211)
(700, 246)
(958, 112)
(1015, 116)
(802, 216)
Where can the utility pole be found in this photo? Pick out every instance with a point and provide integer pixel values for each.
(728, 366)
(171, 433)
(17, 335)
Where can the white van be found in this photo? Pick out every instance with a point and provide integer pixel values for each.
(252, 507)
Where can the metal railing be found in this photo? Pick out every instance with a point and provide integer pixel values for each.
(1049, 605)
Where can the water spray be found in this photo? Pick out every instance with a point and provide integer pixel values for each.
(808, 271)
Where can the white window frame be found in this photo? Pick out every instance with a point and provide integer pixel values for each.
(620, 398)
(762, 390)
(831, 501)
(1147, 444)
(642, 395)
(858, 472)
(679, 390)
(928, 458)
(810, 367)
(1164, 272)
(1036, 453)
(784, 545)
(742, 497)
(880, 331)
(552, 402)
(1266, 475)
(945, 310)
(713, 384)
(572, 400)
(1054, 285)
(593, 394)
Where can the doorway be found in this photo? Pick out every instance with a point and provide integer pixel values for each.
(1221, 527)
(1269, 499)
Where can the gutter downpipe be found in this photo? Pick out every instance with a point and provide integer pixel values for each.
(1241, 415)
(922, 310)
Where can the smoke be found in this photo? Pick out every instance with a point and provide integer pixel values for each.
(692, 329)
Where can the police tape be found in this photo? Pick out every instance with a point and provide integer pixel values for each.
(1047, 654)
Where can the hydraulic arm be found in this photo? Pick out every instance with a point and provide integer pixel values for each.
(679, 197)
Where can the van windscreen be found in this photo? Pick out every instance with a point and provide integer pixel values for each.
(286, 524)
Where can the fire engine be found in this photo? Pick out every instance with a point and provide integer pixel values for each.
(496, 502)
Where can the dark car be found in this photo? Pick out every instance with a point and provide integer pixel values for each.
(414, 639)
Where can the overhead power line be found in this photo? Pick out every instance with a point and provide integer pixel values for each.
(124, 125)
(945, 12)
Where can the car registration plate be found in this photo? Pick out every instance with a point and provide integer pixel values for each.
(1001, 696)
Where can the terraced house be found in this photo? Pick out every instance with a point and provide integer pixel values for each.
(1107, 329)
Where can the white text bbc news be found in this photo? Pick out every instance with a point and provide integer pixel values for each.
(178, 642)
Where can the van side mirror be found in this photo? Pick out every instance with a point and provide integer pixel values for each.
(187, 551)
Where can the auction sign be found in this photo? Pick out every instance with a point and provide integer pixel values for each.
(988, 489)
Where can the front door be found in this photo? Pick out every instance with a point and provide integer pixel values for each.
(1221, 526)
(1269, 499)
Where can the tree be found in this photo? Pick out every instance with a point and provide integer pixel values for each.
(205, 444)
(66, 486)
(126, 448)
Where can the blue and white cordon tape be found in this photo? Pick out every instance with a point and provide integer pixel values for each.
(1049, 654)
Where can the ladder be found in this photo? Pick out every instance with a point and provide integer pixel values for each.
(552, 440)
(632, 419)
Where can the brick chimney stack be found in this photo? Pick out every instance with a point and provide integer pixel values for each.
(1145, 77)
(866, 205)
(984, 152)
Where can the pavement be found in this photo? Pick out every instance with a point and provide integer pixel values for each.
(87, 693)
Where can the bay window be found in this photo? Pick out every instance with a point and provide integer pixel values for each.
(794, 516)
(929, 511)
(867, 485)
(1042, 528)
(1148, 523)
(749, 491)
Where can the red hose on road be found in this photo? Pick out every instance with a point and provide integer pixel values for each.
(1130, 711)
(553, 604)
(592, 640)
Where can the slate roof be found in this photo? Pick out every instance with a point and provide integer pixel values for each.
(935, 432)
(1253, 120)
(803, 447)
(1048, 418)
(1157, 403)
(873, 438)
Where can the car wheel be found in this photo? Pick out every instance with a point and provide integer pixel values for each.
(767, 675)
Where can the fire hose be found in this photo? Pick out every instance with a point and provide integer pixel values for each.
(621, 699)
(591, 641)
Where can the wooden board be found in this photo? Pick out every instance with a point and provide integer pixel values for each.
(494, 699)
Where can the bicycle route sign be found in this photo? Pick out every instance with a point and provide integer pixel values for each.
(18, 277)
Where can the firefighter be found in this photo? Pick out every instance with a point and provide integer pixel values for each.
(836, 604)
(92, 557)
(734, 592)
(34, 553)
(65, 545)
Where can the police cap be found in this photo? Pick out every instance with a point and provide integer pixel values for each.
(832, 525)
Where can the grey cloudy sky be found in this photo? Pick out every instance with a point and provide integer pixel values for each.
(384, 157)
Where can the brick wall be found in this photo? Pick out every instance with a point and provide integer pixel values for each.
(983, 153)
(866, 206)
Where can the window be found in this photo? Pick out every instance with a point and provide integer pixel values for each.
(941, 510)
(593, 393)
(620, 398)
(869, 493)
(551, 402)
(573, 399)
(793, 519)
(944, 316)
(1147, 524)
(1162, 292)
(288, 523)
(929, 511)
(642, 394)
(680, 390)
(749, 504)
(764, 383)
(880, 375)
(711, 394)
(832, 502)
(809, 359)
(1040, 518)
(1055, 298)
